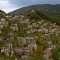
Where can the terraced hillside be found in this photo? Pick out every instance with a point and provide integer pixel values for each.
(30, 37)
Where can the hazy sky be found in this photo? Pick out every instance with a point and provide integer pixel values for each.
(10, 5)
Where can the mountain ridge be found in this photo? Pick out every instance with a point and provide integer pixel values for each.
(40, 7)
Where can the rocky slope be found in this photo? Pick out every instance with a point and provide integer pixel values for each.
(24, 38)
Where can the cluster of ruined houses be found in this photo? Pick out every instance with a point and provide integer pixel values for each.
(9, 48)
(32, 46)
(37, 27)
(30, 40)
(31, 29)
(40, 27)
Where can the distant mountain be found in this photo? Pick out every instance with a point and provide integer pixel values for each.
(52, 11)
(44, 8)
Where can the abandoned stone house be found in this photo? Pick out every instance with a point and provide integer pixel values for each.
(3, 23)
(32, 47)
(39, 22)
(45, 24)
(22, 51)
(26, 50)
(57, 33)
(43, 30)
(26, 39)
(24, 21)
(42, 21)
(14, 27)
(30, 26)
(35, 25)
(5, 50)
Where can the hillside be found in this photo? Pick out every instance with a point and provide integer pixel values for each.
(29, 37)
(52, 11)
(44, 8)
